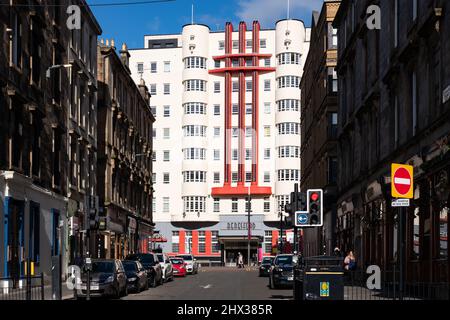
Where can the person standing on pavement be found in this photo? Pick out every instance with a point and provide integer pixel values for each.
(240, 260)
(350, 261)
(337, 252)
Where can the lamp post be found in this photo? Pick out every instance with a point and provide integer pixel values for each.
(248, 226)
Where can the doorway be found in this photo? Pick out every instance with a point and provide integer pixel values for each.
(232, 248)
(15, 240)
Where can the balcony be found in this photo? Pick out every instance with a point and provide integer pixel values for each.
(195, 217)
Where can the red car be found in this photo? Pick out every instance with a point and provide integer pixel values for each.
(179, 267)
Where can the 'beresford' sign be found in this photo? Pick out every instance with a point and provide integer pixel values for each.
(240, 226)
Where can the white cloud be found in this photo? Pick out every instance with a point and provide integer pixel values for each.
(269, 11)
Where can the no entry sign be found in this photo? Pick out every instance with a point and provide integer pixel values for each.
(402, 179)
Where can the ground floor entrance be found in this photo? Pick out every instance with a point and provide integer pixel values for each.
(231, 247)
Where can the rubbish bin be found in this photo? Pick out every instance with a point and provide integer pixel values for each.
(322, 278)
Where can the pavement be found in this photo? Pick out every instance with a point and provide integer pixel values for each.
(216, 283)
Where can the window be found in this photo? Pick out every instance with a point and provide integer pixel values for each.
(35, 234)
(332, 170)
(248, 177)
(288, 128)
(154, 156)
(194, 131)
(248, 132)
(282, 200)
(201, 242)
(334, 86)
(166, 111)
(175, 241)
(289, 152)
(289, 58)
(248, 154)
(166, 134)
(153, 89)
(268, 241)
(166, 204)
(266, 85)
(194, 204)
(235, 44)
(249, 86)
(217, 64)
(194, 108)
(166, 88)
(415, 9)
(267, 176)
(166, 177)
(17, 41)
(266, 204)
(195, 63)
(234, 205)
(262, 43)
(166, 66)
(235, 108)
(267, 153)
(288, 175)
(216, 205)
(194, 154)
(153, 68)
(248, 206)
(217, 87)
(234, 132)
(153, 109)
(249, 44)
(288, 105)
(396, 22)
(216, 178)
(194, 176)
(235, 86)
(195, 85)
(267, 107)
(235, 63)
(215, 246)
(234, 177)
(248, 62)
(166, 157)
(267, 62)
(217, 109)
(216, 132)
(266, 131)
(248, 108)
(234, 154)
(153, 177)
(414, 103)
(335, 38)
(216, 154)
(140, 67)
(289, 82)
(221, 45)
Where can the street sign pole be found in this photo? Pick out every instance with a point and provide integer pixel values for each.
(401, 233)
(295, 209)
(248, 227)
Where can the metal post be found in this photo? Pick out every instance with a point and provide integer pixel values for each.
(88, 282)
(28, 294)
(294, 204)
(281, 233)
(249, 228)
(401, 250)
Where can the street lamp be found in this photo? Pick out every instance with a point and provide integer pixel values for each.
(56, 66)
(248, 226)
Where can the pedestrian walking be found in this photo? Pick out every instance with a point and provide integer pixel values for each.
(337, 252)
(350, 261)
(240, 260)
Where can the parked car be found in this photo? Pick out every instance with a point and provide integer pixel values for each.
(282, 271)
(136, 275)
(264, 268)
(166, 265)
(108, 278)
(151, 264)
(179, 267)
(191, 263)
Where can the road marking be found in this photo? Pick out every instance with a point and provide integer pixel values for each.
(207, 286)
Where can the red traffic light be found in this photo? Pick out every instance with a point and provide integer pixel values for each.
(314, 196)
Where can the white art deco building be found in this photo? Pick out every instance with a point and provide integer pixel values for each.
(227, 107)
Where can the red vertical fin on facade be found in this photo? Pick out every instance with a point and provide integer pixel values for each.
(181, 241)
(255, 106)
(194, 242)
(228, 103)
(242, 90)
(208, 240)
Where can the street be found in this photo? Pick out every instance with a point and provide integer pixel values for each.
(215, 283)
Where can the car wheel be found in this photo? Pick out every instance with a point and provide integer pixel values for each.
(146, 285)
(271, 283)
(117, 293)
(161, 281)
(153, 282)
(126, 291)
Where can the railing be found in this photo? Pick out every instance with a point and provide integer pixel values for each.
(22, 288)
(356, 288)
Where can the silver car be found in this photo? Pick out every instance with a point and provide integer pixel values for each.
(191, 263)
(166, 266)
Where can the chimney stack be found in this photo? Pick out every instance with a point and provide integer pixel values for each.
(125, 55)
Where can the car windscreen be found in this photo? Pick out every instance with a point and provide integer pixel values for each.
(186, 257)
(283, 260)
(160, 257)
(129, 266)
(142, 258)
(267, 260)
(103, 266)
(176, 261)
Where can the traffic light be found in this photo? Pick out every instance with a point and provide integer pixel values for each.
(311, 215)
(315, 207)
(298, 202)
(93, 219)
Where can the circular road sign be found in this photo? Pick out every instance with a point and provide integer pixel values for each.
(402, 181)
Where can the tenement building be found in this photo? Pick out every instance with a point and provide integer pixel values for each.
(124, 170)
(41, 117)
(227, 107)
(394, 107)
(319, 125)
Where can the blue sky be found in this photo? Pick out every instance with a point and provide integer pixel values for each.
(129, 24)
